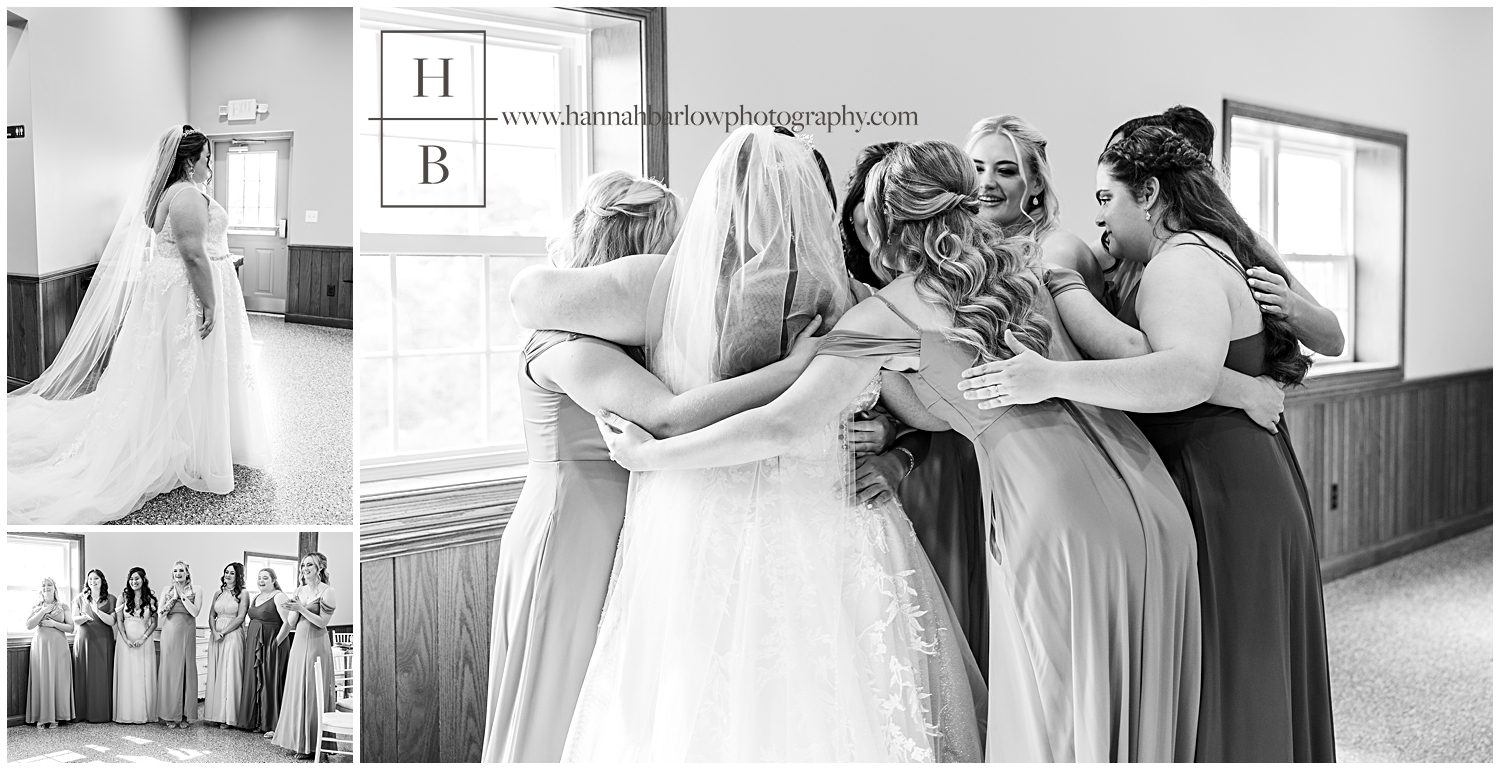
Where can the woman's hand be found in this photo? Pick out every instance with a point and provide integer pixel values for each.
(805, 346)
(206, 322)
(627, 442)
(1274, 295)
(1025, 378)
(1266, 403)
(872, 434)
(876, 476)
(291, 604)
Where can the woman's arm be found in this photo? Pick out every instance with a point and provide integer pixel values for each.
(288, 620)
(829, 384)
(1184, 312)
(601, 377)
(1096, 331)
(1065, 249)
(239, 617)
(189, 219)
(36, 618)
(66, 624)
(326, 606)
(108, 618)
(608, 301)
(191, 601)
(1315, 326)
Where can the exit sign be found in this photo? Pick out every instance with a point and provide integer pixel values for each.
(15, 132)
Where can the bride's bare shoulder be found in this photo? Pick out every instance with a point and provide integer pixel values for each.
(184, 205)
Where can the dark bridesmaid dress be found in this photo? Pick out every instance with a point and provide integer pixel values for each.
(94, 665)
(1265, 694)
(944, 500)
(177, 682)
(264, 669)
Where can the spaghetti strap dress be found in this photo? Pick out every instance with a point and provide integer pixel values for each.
(49, 686)
(297, 725)
(1266, 694)
(94, 664)
(1093, 586)
(264, 668)
(554, 568)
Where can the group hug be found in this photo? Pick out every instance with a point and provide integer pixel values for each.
(913, 473)
(258, 680)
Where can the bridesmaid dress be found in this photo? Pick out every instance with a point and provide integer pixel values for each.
(945, 502)
(49, 688)
(94, 664)
(177, 686)
(1266, 693)
(264, 667)
(555, 562)
(1093, 589)
(135, 674)
(225, 658)
(297, 725)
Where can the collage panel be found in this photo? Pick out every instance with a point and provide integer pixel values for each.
(180, 645)
(180, 247)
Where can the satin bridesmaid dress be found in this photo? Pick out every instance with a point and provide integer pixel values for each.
(264, 668)
(177, 689)
(49, 688)
(225, 658)
(94, 664)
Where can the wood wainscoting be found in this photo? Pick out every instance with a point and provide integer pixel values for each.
(40, 313)
(320, 285)
(1411, 461)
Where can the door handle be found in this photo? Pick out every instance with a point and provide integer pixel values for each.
(281, 228)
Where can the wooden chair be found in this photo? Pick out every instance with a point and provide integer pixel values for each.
(334, 727)
(343, 674)
(343, 639)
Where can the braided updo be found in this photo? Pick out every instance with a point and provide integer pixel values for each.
(1192, 199)
(922, 212)
(622, 214)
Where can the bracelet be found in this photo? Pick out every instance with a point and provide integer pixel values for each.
(911, 460)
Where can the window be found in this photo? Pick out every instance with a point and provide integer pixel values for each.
(438, 355)
(1329, 197)
(285, 568)
(29, 558)
(250, 186)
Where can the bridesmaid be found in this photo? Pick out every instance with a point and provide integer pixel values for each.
(135, 653)
(94, 650)
(1278, 291)
(935, 474)
(559, 546)
(177, 687)
(1093, 604)
(266, 651)
(312, 606)
(49, 690)
(1266, 691)
(226, 648)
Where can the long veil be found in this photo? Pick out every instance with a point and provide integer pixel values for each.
(757, 258)
(85, 352)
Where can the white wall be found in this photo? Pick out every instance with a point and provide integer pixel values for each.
(208, 552)
(105, 82)
(20, 218)
(299, 61)
(1078, 73)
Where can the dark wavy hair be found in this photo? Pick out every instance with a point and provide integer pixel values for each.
(103, 584)
(856, 259)
(143, 603)
(239, 580)
(192, 144)
(1192, 199)
(925, 214)
(1193, 125)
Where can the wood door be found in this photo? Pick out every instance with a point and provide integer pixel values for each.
(250, 182)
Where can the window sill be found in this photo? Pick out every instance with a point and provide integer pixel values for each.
(1347, 377)
(426, 513)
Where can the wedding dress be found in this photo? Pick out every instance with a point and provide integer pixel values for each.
(170, 408)
(756, 613)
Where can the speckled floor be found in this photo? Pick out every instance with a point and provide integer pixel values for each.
(308, 394)
(1411, 658)
(85, 742)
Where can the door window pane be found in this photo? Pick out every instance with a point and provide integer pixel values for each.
(250, 187)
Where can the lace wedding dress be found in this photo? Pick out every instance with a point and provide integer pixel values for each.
(170, 409)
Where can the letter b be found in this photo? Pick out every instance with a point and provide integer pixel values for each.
(428, 163)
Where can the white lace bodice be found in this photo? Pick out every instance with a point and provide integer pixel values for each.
(215, 240)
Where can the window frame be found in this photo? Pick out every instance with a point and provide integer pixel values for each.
(250, 576)
(504, 462)
(1347, 370)
(79, 569)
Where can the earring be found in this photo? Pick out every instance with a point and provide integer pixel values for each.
(1148, 216)
(1034, 201)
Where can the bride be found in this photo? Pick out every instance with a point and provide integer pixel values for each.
(154, 387)
(756, 613)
